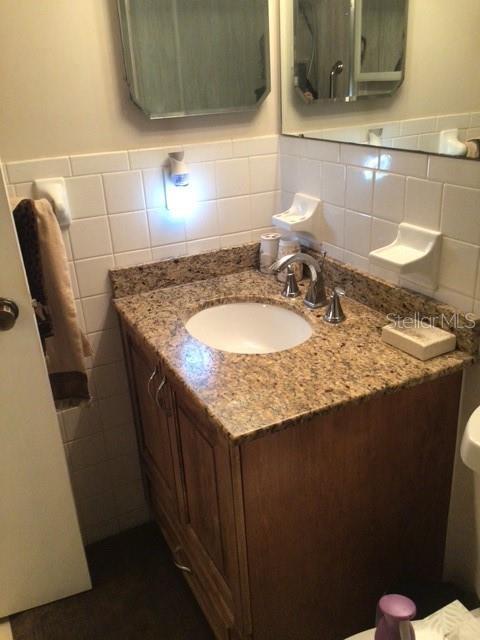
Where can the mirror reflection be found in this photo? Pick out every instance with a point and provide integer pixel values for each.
(345, 50)
(389, 73)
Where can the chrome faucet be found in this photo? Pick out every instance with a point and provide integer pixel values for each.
(315, 296)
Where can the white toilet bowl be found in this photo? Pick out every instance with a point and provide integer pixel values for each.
(470, 448)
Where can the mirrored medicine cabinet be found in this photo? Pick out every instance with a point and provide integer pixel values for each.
(194, 57)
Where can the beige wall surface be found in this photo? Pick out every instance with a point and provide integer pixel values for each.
(62, 87)
(442, 54)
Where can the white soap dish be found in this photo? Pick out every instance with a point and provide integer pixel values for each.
(422, 342)
(415, 250)
(450, 145)
(300, 216)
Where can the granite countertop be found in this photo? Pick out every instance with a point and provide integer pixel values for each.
(247, 395)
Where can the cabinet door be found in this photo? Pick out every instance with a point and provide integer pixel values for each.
(208, 519)
(157, 435)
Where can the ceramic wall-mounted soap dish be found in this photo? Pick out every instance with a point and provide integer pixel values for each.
(414, 254)
(300, 216)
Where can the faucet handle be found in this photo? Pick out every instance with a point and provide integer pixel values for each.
(291, 290)
(322, 263)
(334, 313)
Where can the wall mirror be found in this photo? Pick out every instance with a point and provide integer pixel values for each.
(193, 57)
(389, 73)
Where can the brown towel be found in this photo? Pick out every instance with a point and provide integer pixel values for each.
(67, 348)
(473, 148)
(27, 233)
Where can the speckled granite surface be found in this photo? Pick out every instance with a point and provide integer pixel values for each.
(165, 273)
(247, 395)
(389, 298)
(362, 287)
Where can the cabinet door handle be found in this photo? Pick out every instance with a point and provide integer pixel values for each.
(150, 380)
(179, 565)
(160, 404)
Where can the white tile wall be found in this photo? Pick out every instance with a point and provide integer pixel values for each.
(357, 233)
(202, 177)
(169, 251)
(310, 176)
(123, 191)
(222, 150)
(389, 200)
(85, 196)
(360, 156)
(233, 178)
(418, 133)
(119, 218)
(129, 231)
(97, 163)
(333, 183)
(422, 202)
(464, 226)
(359, 194)
(165, 227)
(234, 214)
(29, 170)
(331, 226)
(247, 147)
(203, 221)
(90, 237)
(264, 173)
(92, 275)
(362, 211)
(409, 164)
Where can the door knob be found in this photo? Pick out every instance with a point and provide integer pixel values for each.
(8, 314)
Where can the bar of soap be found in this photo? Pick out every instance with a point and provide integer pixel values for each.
(420, 342)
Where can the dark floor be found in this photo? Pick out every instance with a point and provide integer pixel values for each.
(137, 594)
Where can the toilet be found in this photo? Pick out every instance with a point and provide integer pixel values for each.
(470, 447)
(470, 455)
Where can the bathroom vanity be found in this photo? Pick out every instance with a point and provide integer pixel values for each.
(293, 488)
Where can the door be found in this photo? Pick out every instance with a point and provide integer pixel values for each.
(41, 552)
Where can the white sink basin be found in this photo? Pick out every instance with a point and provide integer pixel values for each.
(249, 327)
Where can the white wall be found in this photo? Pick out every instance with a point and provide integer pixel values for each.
(62, 89)
(442, 49)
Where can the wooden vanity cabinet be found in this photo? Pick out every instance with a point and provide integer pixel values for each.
(186, 465)
(295, 535)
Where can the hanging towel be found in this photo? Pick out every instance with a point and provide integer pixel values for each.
(66, 349)
(27, 233)
(473, 148)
